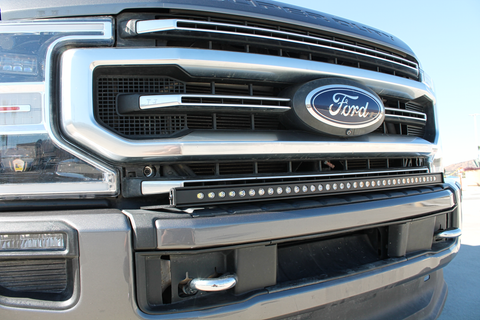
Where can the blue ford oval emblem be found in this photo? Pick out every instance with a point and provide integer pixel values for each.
(334, 106)
(346, 107)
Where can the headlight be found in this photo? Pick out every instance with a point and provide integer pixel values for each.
(34, 160)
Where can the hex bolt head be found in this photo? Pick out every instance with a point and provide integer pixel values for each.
(149, 171)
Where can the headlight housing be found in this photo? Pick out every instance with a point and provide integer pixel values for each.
(35, 162)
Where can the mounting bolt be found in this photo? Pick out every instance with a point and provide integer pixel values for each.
(149, 171)
(349, 132)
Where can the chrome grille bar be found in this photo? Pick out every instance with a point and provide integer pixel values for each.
(162, 186)
(206, 102)
(408, 117)
(163, 25)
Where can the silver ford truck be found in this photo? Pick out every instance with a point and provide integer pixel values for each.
(216, 159)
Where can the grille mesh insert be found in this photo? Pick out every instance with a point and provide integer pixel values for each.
(108, 87)
(163, 125)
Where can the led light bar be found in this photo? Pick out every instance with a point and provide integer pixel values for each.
(29, 241)
(208, 195)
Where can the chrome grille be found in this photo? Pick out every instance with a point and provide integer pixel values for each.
(251, 75)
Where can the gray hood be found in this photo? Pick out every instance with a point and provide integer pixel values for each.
(269, 10)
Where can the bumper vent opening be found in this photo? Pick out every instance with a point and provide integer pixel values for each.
(42, 279)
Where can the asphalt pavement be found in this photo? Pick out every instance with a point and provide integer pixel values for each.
(463, 273)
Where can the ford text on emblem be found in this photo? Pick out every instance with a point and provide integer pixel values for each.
(344, 106)
(338, 107)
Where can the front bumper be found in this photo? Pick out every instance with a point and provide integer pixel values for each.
(106, 280)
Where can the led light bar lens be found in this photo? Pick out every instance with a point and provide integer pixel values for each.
(21, 242)
(185, 196)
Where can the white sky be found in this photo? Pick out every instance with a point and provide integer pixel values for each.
(445, 36)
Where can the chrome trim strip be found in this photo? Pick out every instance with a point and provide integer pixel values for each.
(449, 234)
(77, 66)
(150, 26)
(176, 100)
(407, 111)
(404, 117)
(159, 187)
(405, 120)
